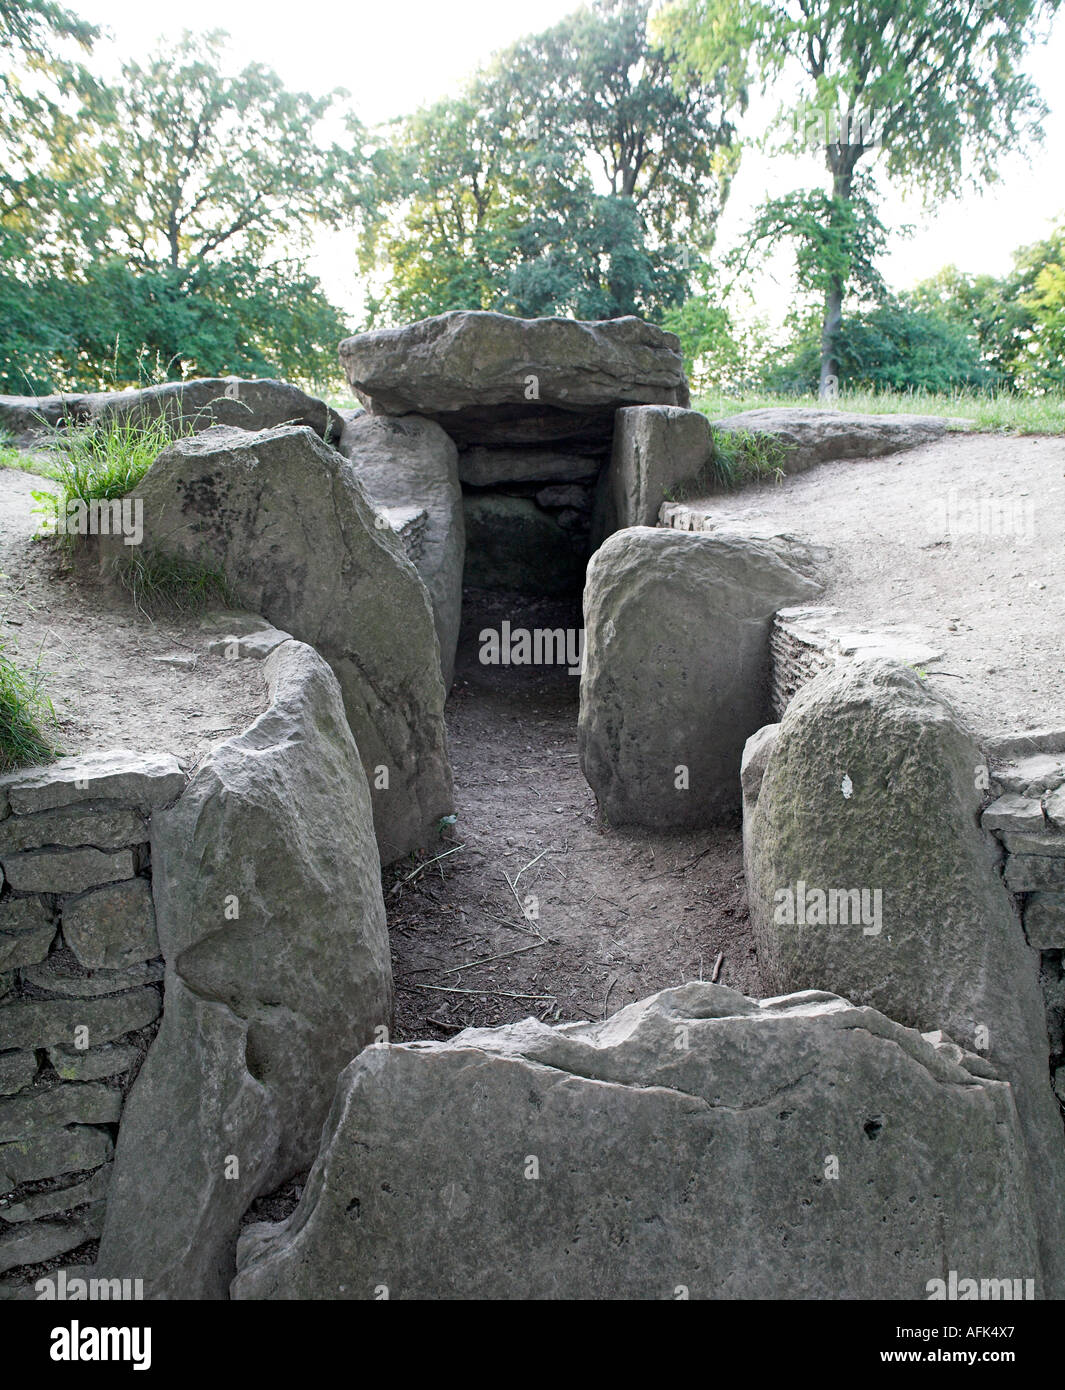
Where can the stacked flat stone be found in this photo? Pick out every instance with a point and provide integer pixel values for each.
(79, 986)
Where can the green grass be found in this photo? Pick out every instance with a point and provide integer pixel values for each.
(156, 581)
(1002, 413)
(26, 715)
(106, 459)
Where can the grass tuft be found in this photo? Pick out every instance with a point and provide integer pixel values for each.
(26, 714)
(157, 582)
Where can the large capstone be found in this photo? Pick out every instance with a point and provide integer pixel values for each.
(676, 665)
(270, 917)
(287, 521)
(868, 874)
(495, 380)
(697, 1144)
(411, 463)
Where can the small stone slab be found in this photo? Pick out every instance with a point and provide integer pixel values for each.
(64, 977)
(17, 1070)
(53, 1203)
(1034, 873)
(94, 1065)
(104, 825)
(38, 1241)
(27, 931)
(29, 1114)
(113, 927)
(1044, 921)
(66, 870)
(1019, 814)
(145, 780)
(74, 1150)
(32, 1023)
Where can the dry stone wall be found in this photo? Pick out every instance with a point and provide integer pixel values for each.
(80, 996)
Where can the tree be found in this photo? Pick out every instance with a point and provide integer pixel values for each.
(934, 88)
(560, 181)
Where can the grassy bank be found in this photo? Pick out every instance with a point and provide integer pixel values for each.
(1006, 413)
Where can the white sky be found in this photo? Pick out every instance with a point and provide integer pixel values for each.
(396, 55)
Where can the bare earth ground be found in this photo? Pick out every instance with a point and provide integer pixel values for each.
(994, 605)
(104, 664)
(622, 913)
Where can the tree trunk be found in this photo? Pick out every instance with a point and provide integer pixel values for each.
(841, 161)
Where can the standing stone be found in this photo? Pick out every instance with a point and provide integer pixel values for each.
(271, 920)
(873, 786)
(677, 1149)
(288, 522)
(675, 672)
(411, 462)
(496, 380)
(657, 448)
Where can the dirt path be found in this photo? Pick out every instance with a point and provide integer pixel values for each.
(964, 539)
(116, 679)
(621, 913)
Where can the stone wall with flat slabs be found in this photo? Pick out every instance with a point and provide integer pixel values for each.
(80, 990)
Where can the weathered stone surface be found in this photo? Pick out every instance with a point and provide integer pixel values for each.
(1032, 776)
(491, 379)
(105, 825)
(44, 1204)
(1054, 805)
(753, 764)
(234, 401)
(411, 462)
(1045, 846)
(17, 1069)
(27, 930)
(1013, 812)
(30, 1023)
(199, 404)
(512, 544)
(61, 974)
(482, 467)
(1044, 921)
(656, 449)
(37, 1241)
(28, 1115)
(74, 1150)
(66, 870)
(113, 927)
(251, 646)
(814, 436)
(874, 786)
(262, 1009)
(95, 1064)
(288, 521)
(1034, 873)
(675, 672)
(679, 1144)
(136, 779)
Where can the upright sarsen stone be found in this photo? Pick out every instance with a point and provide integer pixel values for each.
(288, 522)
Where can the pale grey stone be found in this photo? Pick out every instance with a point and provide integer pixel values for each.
(104, 825)
(493, 379)
(53, 1203)
(252, 646)
(17, 1070)
(1031, 776)
(60, 974)
(94, 1064)
(1014, 813)
(27, 930)
(675, 676)
(323, 571)
(753, 764)
(30, 1023)
(680, 1145)
(1049, 846)
(263, 1009)
(1054, 805)
(142, 780)
(74, 1150)
(872, 785)
(656, 450)
(1044, 921)
(412, 463)
(29, 1114)
(66, 870)
(113, 927)
(812, 436)
(37, 1241)
(1034, 873)
(247, 404)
